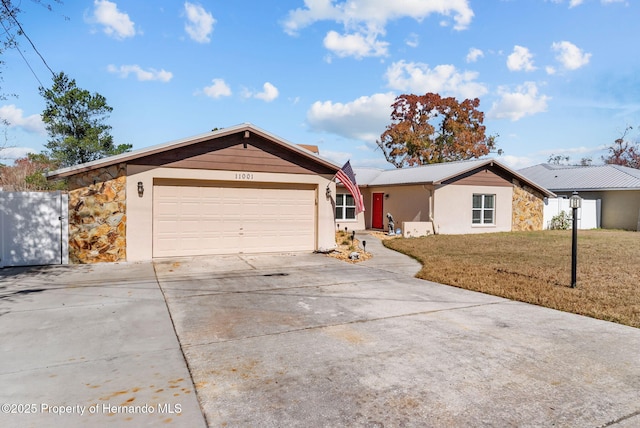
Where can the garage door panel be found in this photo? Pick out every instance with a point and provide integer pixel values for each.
(221, 220)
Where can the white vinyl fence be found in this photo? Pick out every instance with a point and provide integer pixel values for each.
(588, 214)
(34, 228)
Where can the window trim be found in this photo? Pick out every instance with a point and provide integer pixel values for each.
(344, 207)
(482, 209)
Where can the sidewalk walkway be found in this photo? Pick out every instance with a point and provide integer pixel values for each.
(386, 259)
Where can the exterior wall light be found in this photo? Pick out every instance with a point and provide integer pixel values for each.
(327, 191)
(140, 189)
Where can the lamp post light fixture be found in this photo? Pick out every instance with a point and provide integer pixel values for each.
(575, 202)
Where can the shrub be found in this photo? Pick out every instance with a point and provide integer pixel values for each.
(562, 221)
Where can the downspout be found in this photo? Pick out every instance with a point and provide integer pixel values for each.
(431, 205)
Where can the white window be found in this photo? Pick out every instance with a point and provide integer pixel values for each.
(345, 207)
(484, 209)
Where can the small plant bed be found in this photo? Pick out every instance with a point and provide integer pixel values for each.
(347, 246)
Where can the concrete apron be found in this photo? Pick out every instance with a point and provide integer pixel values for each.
(299, 340)
(90, 345)
(307, 340)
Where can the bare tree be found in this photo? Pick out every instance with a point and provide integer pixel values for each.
(624, 152)
(558, 159)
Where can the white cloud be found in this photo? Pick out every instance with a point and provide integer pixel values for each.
(520, 59)
(16, 119)
(357, 45)
(525, 101)
(338, 157)
(574, 3)
(15, 152)
(418, 78)
(200, 25)
(474, 54)
(116, 24)
(413, 40)
(581, 150)
(353, 13)
(141, 75)
(569, 55)
(517, 162)
(218, 89)
(364, 20)
(363, 119)
(268, 94)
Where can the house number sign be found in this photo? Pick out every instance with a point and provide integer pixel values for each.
(244, 176)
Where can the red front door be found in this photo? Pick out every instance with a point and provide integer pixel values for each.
(377, 218)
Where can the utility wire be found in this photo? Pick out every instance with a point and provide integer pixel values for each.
(10, 13)
(25, 59)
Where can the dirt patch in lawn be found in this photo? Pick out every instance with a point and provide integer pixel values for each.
(535, 267)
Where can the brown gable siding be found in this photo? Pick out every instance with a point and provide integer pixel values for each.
(485, 176)
(229, 153)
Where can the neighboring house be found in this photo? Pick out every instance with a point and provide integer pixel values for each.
(474, 196)
(233, 190)
(618, 188)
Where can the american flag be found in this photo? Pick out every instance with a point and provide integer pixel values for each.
(348, 178)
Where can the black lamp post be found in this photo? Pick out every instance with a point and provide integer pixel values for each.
(575, 202)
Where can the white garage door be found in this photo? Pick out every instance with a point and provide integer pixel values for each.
(190, 220)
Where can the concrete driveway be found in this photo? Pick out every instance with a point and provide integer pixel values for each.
(306, 340)
(301, 340)
(90, 346)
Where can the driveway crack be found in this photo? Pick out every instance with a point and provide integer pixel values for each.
(184, 357)
(356, 321)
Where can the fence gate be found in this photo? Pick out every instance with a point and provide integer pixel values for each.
(34, 228)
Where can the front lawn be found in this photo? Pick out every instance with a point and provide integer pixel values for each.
(535, 267)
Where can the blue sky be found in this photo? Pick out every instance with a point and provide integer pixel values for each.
(553, 76)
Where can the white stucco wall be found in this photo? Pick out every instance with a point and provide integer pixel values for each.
(356, 224)
(453, 209)
(140, 209)
(406, 203)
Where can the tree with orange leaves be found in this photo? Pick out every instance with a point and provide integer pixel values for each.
(430, 129)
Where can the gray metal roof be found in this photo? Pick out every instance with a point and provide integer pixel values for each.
(433, 174)
(135, 154)
(569, 178)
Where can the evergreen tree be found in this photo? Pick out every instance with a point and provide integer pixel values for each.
(75, 120)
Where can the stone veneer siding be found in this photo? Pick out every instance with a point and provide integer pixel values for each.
(97, 215)
(528, 209)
